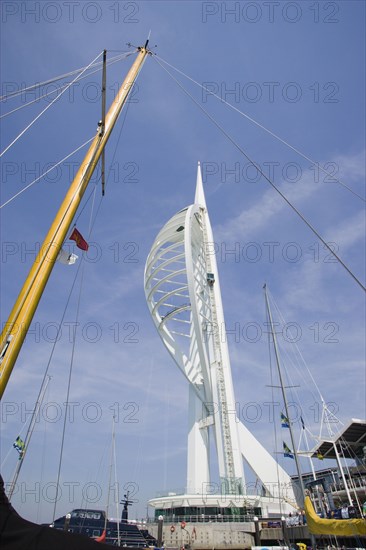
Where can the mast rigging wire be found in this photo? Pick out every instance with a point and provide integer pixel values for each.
(276, 136)
(73, 350)
(29, 433)
(44, 110)
(60, 77)
(27, 104)
(45, 173)
(241, 150)
(68, 392)
(299, 367)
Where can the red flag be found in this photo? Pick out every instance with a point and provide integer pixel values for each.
(101, 538)
(79, 239)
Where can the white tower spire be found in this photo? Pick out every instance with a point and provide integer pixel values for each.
(183, 295)
(199, 196)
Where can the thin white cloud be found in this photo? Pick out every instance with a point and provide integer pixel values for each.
(270, 204)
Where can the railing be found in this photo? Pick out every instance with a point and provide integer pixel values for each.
(173, 493)
(356, 483)
(252, 491)
(204, 518)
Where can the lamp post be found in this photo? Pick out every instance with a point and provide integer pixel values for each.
(160, 531)
(257, 534)
(284, 531)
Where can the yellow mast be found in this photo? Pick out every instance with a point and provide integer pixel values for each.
(16, 327)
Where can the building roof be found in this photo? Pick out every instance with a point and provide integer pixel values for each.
(350, 442)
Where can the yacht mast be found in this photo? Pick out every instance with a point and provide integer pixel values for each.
(284, 393)
(17, 325)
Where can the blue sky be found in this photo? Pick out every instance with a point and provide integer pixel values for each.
(297, 68)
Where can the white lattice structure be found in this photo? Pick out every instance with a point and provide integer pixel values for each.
(183, 295)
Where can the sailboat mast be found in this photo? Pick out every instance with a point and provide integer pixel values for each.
(283, 392)
(17, 325)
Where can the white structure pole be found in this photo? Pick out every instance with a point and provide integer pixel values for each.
(183, 294)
